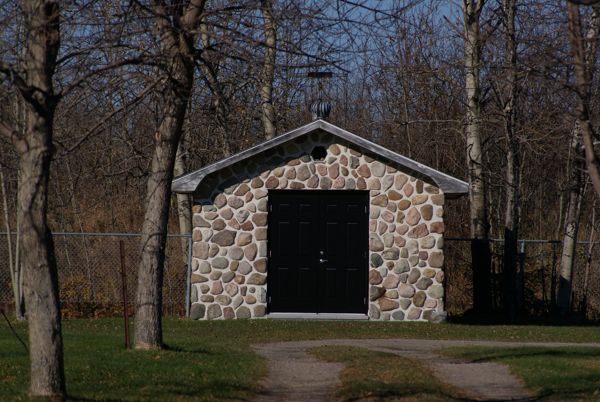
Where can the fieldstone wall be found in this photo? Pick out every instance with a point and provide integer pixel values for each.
(230, 230)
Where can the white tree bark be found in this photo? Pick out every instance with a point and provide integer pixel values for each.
(584, 58)
(268, 70)
(478, 211)
(569, 243)
(583, 52)
(210, 71)
(512, 183)
(184, 201)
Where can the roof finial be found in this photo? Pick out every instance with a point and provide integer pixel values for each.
(320, 108)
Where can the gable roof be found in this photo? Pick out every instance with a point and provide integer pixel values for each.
(451, 186)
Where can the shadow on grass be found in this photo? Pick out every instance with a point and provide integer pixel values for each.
(217, 390)
(380, 391)
(557, 374)
(471, 317)
(181, 349)
(527, 352)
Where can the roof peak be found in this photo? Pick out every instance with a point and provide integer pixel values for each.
(450, 185)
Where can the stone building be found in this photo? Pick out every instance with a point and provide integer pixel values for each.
(318, 222)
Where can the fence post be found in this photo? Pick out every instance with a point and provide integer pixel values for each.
(188, 286)
(124, 293)
(521, 278)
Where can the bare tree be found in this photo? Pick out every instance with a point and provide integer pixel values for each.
(583, 65)
(480, 248)
(14, 254)
(210, 65)
(268, 69)
(513, 162)
(33, 78)
(582, 150)
(184, 201)
(176, 24)
(571, 227)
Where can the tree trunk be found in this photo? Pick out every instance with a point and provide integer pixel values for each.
(210, 71)
(40, 280)
(14, 265)
(588, 261)
(39, 265)
(563, 302)
(148, 324)
(184, 201)
(177, 49)
(480, 248)
(512, 183)
(583, 53)
(266, 80)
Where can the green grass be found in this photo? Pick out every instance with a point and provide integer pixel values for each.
(198, 366)
(554, 374)
(370, 375)
(211, 360)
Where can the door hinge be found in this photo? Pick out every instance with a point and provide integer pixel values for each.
(366, 209)
(365, 300)
(269, 253)
(270, 207)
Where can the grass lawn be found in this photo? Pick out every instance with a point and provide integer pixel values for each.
(371, 375)
(555, 374)
(211, 360)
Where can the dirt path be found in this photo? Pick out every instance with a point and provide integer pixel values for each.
(296, 376)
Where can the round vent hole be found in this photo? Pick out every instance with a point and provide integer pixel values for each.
(318, 153)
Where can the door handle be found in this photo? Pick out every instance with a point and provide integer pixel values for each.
(322, 260)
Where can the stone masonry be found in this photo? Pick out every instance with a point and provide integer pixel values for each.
(229, 278)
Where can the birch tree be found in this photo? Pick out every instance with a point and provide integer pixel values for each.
(571, 226)
(513, 162)
(268, 69)
(583, 155)
(480, 248)
(584, 66)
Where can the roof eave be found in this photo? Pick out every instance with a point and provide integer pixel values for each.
(188, 183)
(451, 186)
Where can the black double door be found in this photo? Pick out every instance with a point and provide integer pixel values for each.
(318, 249)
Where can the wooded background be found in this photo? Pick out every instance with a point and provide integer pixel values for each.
(399, 79)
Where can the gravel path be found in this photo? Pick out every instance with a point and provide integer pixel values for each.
(296, 376)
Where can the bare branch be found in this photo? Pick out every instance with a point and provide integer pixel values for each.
(191, 18)
(82, 79)
(96, 128)
(584, 2)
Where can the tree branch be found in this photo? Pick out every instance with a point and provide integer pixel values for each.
(19, 82)
(80, 80)
(92, 131)
(191, 18)
(584, 2)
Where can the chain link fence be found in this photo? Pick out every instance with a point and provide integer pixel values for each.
(538, 273)
(91, 281)
(93, 267)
